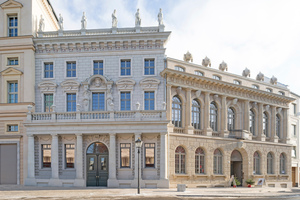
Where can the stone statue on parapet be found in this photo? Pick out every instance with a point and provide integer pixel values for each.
(246, 72)
(41, 24)
(138, 19)
(223, 66)
(114, 19)
(160, 17)
(188, 57)
(206, 62)
(260, 77)
(83, 21)
(273, 80)
(61, 22)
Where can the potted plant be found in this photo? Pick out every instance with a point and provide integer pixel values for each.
(250, 182)
(235, 182)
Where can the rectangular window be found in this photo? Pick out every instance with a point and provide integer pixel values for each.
(13, 61)
(294, 108)
(125, 67)
(98, 67)
(125, 155)
(13, 92)
(149, 100)
(12, 26)
(149, 155)
(70, 155)
(71, 69)
(98, 101)
(294, 129)
(46, 155)
(125, 101)
(12, 128)
(48, 70)
(48, 102)
(294, 152)
(71, 102)
(149, 67)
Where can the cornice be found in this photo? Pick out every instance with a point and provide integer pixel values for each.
(177, 78)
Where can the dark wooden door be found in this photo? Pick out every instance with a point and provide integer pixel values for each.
(97, 170)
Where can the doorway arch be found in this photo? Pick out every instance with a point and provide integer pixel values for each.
(236, 165)
(97, 164)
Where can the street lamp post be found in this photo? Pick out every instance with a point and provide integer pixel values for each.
(138, 144)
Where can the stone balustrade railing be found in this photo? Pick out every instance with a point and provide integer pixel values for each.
(139, 115)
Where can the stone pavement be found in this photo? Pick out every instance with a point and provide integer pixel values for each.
(34, 193)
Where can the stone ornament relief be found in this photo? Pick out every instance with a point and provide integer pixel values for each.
(125, 84)
(89, 139)
(70, 86)
(47, 86)
(149, 83)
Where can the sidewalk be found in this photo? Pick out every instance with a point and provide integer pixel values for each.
(26, 192)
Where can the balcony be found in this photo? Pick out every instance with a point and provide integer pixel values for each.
(139, 115)
(239, 134)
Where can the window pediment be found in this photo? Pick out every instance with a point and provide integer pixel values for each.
(149, 83)
(47, 86)
(11, 4)
(125, 84)
(97, 82)
(11, 72)
(70, 86)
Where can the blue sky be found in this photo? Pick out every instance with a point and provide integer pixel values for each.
(262, 35)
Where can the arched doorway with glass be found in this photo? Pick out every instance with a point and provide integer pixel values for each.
(97, 165)
(236, 165)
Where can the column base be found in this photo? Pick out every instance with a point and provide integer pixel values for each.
(190, 130)
(274, 139)
(225, 134)
(30, 182)
(54, 182)
(208, 132)
(262, 138)
(79, 183)
(112, 183)
(163, 183)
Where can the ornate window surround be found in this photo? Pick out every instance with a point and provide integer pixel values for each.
(125, 85)
(68, 87)
(47, 87)
(11, 75)
(149, 85)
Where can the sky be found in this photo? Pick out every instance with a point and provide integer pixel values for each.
(262, 35)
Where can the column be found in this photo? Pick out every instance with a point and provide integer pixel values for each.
(79, 157)
(54, 181)
(261, 135)
(112, 156)
(206, 127)
(246, 116)
(274, 137)
(224, 128)
(136, 136)
(30, 180)
(286, 132)
(163, 156)
(169, 102)
(188, 127)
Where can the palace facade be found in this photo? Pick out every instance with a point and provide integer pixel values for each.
(74, 102)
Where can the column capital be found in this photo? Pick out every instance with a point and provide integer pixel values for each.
(78, 134)
(188, 89)
(112, 134)
(30, 135)
(164, 133)
(54, 135)
(223, 96)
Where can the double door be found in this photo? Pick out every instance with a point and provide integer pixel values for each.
(97, 170)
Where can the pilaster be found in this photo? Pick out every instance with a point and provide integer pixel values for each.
(169, 102)
(261, 135)
(112, 181)
(207, 130)
(224, 128)
(274, 137)
(188, 114)
(54, 181)
(79, 181)
(30, 180)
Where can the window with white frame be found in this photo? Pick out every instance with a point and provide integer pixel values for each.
(125, 67)
(252, 122)
(282, 164)
(237, 82)
(180, 160)
(98, 101)
(218, 162)
(213, 116)
(12, 92)
(46, 155)
(13, 61)
(176, 111)
(69, 156)
(270, 163)
(281, 93)
(199, 73)
(294, 129)
(294, 152)
(149, 67)
(71, 102)
(255, 86)
(125, 155)
(48, 102)
(48, 70)
(178, 68)
(125, 101)
(269, 90)
(216, 77)
(12, 26)
(199, 161)
(71, 69)
(196, 113)
(149, 100)
(12, 128)
(149, 154)
(256, 163)
(98, 67)
(294, 108)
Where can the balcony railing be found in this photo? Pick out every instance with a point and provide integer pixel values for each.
(139, 115)
(238, 134)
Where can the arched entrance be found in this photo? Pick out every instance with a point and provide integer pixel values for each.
(236, 166)
(97, 165)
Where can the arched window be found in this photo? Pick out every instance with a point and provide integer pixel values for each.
(252, 122)
(270, 163)
(196, 114)
(178, 68)
(282, 164)
(256, 163)
(180, 160)
(199, 161)
(176, 111)
(278, 125)
(265, 124)
(218, 162)
(213, 116)
(230, 119)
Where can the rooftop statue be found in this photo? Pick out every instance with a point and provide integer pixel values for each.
(260, 77)
(188, 57)
(273, 80)
(206, 62)
(41, 24)
(246, 72)
(83, 21)
(61, 22)
(223, 66)
(114, 19)
(160, 17)
(138, 19)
